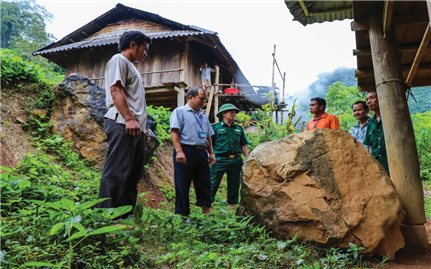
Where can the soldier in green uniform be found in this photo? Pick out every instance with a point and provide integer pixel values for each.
(229, 141)
(375, 137)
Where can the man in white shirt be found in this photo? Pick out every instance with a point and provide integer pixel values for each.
(124, 122)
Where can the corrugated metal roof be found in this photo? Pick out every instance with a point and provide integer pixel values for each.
(113, 38)
(308, 12)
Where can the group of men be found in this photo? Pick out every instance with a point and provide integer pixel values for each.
(193, 137)
(368, 131)
(202, 153)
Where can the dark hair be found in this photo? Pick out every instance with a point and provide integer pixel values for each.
(364, 104)
(193, 92)
(320, 101)
(130, 36)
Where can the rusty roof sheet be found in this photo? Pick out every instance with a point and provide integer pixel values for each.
(113, 38)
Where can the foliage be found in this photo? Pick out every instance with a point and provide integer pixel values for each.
(268, 129)
(162, 116)
(420, 101)
(339, 100)
(18, 73)
(14, 69)
(49, 219)
(23, 29)
(24, 22)
(427, 189)
(422, 128)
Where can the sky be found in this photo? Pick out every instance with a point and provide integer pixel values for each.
(248, 29)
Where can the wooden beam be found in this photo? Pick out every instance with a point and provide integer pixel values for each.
(211, 96)
(387, 17)
(359, 26)
(150, 91)
(419, 54)
(402, 49)
(400, 140)
(217, 90)
(181, 96)
(367, 74)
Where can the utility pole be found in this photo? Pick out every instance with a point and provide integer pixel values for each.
(273, 86)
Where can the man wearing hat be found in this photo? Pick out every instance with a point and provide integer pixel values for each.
(229, 141)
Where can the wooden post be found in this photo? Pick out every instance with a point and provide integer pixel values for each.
(180, 96)
(213, 94)
(399, 136)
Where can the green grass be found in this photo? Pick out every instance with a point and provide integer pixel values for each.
(427, 198)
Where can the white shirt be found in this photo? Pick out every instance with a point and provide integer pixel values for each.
(119, 68)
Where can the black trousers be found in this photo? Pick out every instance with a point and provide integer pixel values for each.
(197, 171)
(123, 167)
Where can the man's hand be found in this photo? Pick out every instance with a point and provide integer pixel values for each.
(132, 127)
(211, 158)
(181, 157)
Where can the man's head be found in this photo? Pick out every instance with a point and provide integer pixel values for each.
(360, 110)
(372, 101)
(134, 44)
(227, 112)
(317, 105)
(196, 98)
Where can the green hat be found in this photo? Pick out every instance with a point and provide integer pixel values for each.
(227, 107)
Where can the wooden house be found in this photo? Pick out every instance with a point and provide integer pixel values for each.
(172, 66)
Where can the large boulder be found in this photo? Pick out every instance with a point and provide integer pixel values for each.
(322, 186)
(78, 113)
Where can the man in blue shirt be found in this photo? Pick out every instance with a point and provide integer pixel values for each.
(191, 137)
(360, 112)
(206, 75)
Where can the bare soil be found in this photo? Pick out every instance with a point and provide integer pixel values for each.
(16, 105)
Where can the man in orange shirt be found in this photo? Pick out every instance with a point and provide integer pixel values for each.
(321, 119)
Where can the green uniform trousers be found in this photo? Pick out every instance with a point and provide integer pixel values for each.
(232, 167)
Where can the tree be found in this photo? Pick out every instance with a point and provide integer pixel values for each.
(23, 26)
(339, 101)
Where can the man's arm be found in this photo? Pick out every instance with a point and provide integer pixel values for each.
(119, 99)
(245, 150)
(180, 156)
(211, 156)
(335, 123)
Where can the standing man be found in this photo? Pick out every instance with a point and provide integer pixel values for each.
(229, 142)
(321, 120)
(124, 122)
(191, 136)
(375, 138)
(206, 75)
(360, 112)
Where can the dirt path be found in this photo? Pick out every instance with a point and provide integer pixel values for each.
(413, 260)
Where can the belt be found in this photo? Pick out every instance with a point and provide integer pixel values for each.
(195, 147)
(231, 155)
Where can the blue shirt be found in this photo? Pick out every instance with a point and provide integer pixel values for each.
(194, 126)
(206, 73)
(359, 132)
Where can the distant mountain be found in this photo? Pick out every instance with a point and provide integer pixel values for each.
(423, 100)
(319, 88)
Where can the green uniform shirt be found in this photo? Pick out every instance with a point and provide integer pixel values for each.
(228, 139)
(375, 138)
